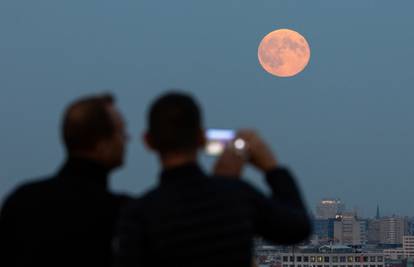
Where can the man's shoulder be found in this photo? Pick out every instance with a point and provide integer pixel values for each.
(29, 191)
(34, 185)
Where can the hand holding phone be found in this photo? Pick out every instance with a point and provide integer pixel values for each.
(260, 154)
(220, 139)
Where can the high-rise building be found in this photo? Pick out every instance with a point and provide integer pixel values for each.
(349, 230)
(404, 252)
(329, 208)
(373, 232)
(411, 226)
(392, 229)
(324, 230)
(363, 228)
(408, 246)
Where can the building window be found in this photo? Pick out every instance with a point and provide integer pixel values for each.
(372, 259)
(342, 259)
(292, 265)
(298, 258)
(326, 259)
(380, 258)
(365, 259)
(350, 259)
(285, 258)
(379, 265)
(335, 258)
(285, 265)
(292, 259)
(319, 259)
(305, 265)
(326, 266)
(305, 258)
(365, 265)
(299, 265)
(357, 259)
(312, 258)
(372, 265)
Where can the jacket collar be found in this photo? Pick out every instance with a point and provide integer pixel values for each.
(183, 173)
(85, 171)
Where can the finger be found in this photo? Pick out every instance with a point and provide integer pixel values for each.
(246, 134)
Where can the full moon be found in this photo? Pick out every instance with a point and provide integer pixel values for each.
(284, 53)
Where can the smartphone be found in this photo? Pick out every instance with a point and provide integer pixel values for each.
(217, 140)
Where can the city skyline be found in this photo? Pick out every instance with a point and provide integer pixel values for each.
(376, 212)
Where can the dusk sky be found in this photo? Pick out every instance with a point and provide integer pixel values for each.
(344, 125)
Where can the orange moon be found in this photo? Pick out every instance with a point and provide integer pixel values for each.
(284, 53)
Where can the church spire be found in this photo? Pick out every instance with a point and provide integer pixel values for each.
(378, 212)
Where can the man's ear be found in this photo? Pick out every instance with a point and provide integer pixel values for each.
(147, 140)
(201, 139)
(101, 149)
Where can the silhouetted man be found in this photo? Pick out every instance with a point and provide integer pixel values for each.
(192, 219)
(68, 219)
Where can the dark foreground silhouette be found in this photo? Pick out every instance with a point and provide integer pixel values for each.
(68, 219)
(195, 219)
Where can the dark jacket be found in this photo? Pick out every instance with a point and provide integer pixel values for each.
(191, 219)
(65, 220)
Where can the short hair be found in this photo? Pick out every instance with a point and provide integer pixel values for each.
(174, 122)
(87, 121)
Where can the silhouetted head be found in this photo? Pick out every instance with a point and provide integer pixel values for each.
(174, 125)
(94, 128)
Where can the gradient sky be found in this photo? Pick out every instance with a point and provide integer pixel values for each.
(344, 125)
